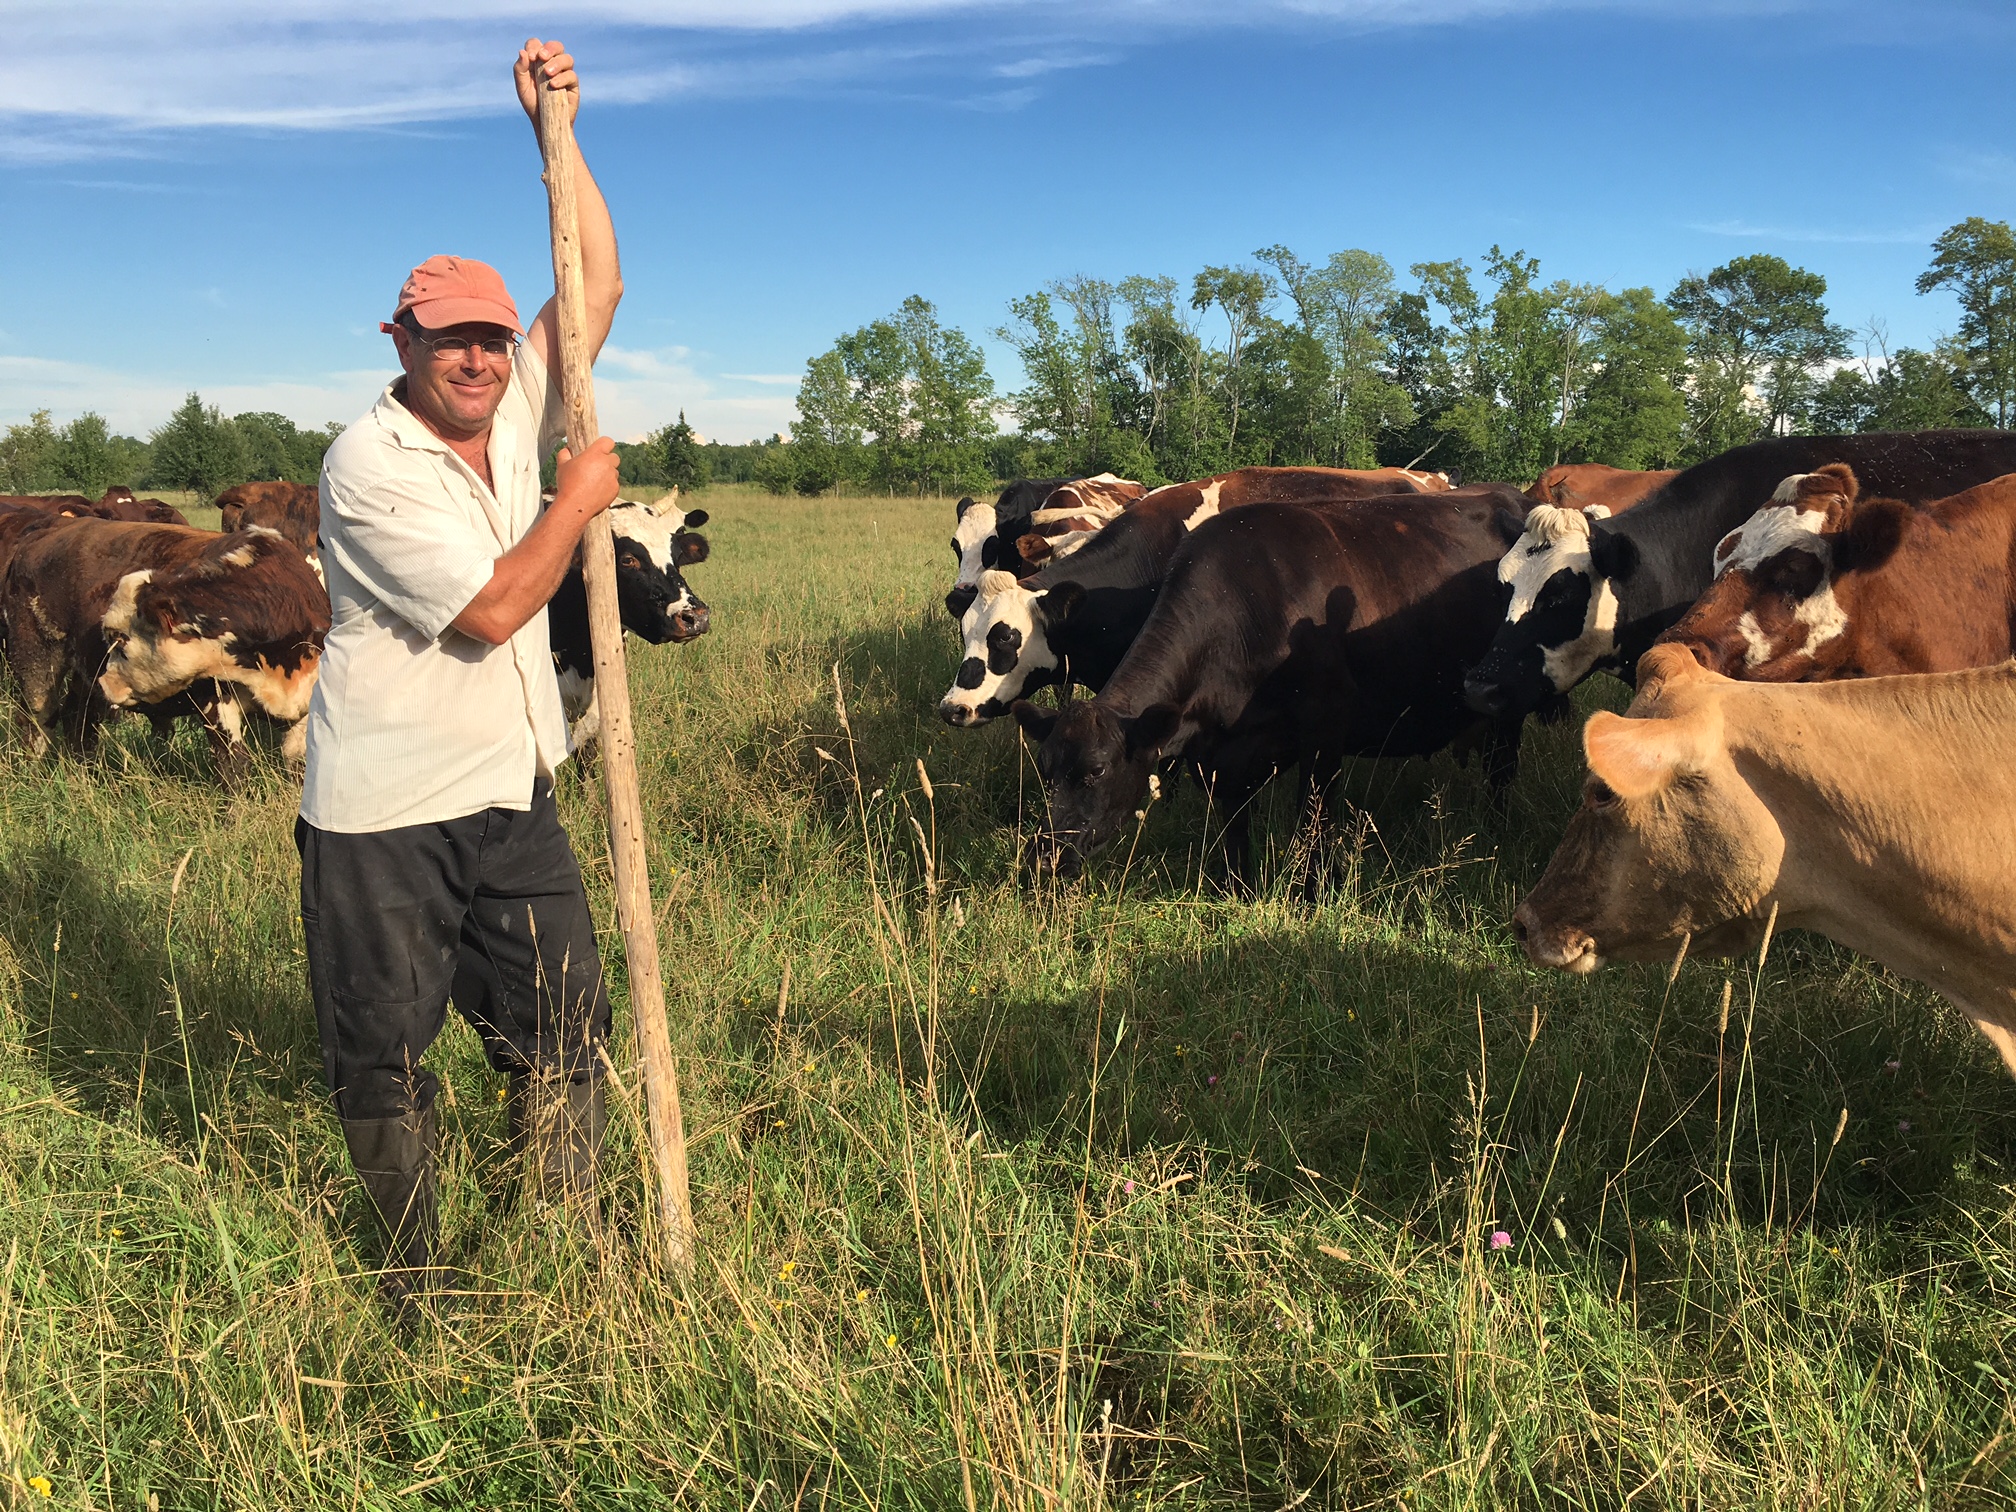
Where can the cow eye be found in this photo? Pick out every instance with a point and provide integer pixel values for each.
(1094, 773)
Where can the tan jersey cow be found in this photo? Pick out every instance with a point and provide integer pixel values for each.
(1880, 813)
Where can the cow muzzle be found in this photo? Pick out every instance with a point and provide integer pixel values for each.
(1485, 696)
(959, 715)
(688, 623)
(1052, 855)
(1562, 947)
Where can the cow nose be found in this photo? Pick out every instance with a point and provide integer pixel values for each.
(690, 623)
(959, 600)
(955, 713)
(1520, 926)
(1484, 696)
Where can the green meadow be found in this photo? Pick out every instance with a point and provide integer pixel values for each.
(1123, 1193)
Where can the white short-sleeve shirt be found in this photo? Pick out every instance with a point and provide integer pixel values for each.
(412, 721)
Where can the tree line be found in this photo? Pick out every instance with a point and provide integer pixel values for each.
(1490, 370)
(197, 448)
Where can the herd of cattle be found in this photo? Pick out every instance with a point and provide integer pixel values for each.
(1820, 630)
(122, 604)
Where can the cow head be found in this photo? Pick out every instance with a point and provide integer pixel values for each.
(653, 542)
(1561, 619)
(1095, 764)
(1670, 839)
(246, 611)
(974, 543)
(1007, 652)
(1771, 614)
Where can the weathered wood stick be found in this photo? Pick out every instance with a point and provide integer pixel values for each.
(612, 697)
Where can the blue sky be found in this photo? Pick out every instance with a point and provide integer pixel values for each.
(224, 194)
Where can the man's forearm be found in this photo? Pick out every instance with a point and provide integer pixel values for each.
(524, 578)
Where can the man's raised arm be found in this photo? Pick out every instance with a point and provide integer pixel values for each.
(601, 274)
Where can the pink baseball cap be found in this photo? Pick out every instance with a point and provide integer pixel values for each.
(446, 291)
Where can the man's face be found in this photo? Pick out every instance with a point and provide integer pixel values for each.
(454, 394)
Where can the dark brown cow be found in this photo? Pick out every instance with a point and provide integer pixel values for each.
(1820, 585)
(75, 506)
(1591, 485)
(293, 509)
(120, 504)
(165, 619)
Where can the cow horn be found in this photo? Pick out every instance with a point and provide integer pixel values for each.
(667, 505)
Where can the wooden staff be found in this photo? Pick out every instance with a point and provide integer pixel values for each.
(612, 697)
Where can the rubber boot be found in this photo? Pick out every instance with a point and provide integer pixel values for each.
(394, 1158)
(558, 1126)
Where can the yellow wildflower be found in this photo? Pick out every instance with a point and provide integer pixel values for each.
(785, 1273)
(861, 1295)
(39, 1484)
(890, 1341)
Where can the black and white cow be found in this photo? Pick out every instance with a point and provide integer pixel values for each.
(1594, 593)
(1287, 634)
(653, 542)
(989, 537)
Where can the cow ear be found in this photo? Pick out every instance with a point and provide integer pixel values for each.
(1636, 758)
(1454, 475)
(1038, 722)
(695, 518)
(692, 549)
(1034, 549)
(1508, 524)
(1613, 556)
(1150, 730)
(1875, 530)
(964, 505)
(1059, 603)
(1596, 511)
(1663, 667)
(1840, 479)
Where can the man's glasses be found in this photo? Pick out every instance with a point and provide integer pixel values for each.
(455, 348)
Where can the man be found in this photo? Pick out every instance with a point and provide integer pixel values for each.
(433, 864)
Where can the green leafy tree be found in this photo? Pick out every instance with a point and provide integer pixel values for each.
(776, 466)
(1632, 410)
(277, 448)
(1759, 335)
(1977, 261)
(683, 460)
(925, 400)
(1240, 295)
(1343, 308)
(826, 441)
(198, 449)
(83, 459)
(28, 456)
(1900, 391)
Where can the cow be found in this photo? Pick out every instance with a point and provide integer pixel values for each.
(165, 619)
(1823, 583)
(986, 537)
(653, 542)
(1591, 485)
(1880, 812)
(293, 509)
(119, 503)
(1589, 593)
(1287, 634)
(71, 506)
(1071, 622)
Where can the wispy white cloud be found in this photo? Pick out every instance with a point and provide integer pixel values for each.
(108, 73)
(1860, 236)
(789, 379)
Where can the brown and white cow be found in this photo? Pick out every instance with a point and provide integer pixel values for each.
(1823, 584)
(1591, 485)
(1073, 513)
(1879, 812)
(119, 503)
(164, 619)
(293, 509)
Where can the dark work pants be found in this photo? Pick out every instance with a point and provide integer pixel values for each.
(487, 910)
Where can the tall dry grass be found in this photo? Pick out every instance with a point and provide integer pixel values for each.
(1124, 1194)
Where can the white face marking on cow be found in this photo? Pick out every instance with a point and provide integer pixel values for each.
(144, 666)
(1771, 530)
(1788, 490)
(1557, 540)
(649, 529)
(975, 528)
(1074, 541)
(1005, 615)
(1205, 510)
(1756, 645)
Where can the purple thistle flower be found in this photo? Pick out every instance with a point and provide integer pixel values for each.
(1500, 1239)
(1127, 1187)
(1210, 1081)
(1903, 1126)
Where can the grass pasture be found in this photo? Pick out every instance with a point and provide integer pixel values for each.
(1122, 1194)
